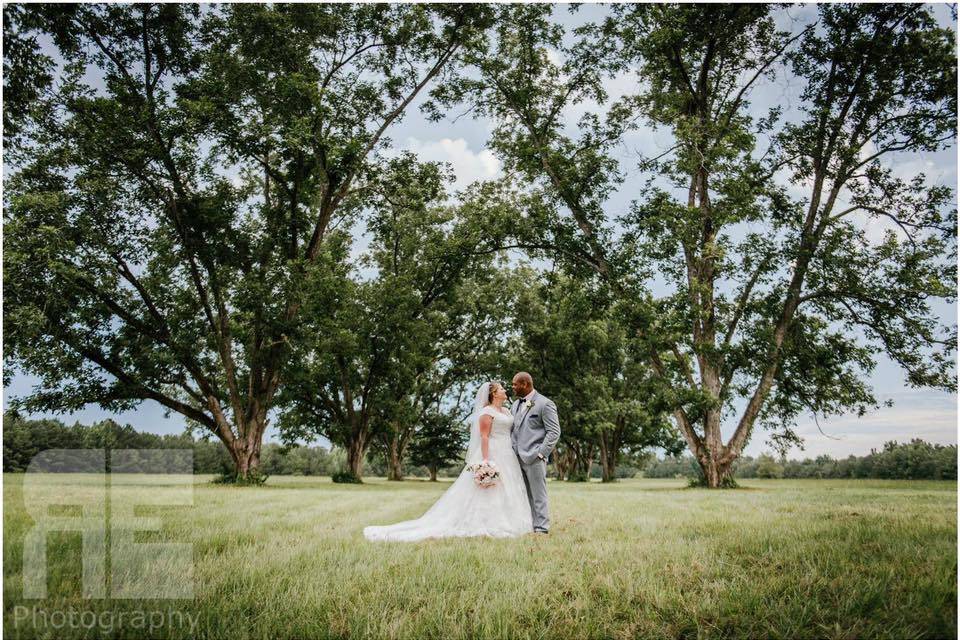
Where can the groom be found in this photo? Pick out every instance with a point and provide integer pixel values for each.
(534, 435)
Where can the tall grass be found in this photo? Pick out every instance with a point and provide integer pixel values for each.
(638, 558)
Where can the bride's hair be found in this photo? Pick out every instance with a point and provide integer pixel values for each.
(492, 390)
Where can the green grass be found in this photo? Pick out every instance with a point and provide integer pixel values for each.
(635, 559)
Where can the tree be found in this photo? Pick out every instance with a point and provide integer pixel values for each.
(580, 355)
(439, 442)
(790, 318)
(402, 330)
(880, 79)
(176, 184)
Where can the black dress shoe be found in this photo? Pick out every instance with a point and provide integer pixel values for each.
(540, 531)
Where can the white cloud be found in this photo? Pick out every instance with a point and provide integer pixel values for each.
(925, 414)
(468, 166)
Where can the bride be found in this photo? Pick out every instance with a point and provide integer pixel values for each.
(466, 509)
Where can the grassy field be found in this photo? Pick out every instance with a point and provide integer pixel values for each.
(635, 559)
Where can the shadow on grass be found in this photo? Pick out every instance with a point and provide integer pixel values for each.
(296, 483)
(725, 489)
(325, 482)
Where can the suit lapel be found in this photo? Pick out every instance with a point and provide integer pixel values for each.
(533, 400)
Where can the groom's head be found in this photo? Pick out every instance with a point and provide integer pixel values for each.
(522, 384)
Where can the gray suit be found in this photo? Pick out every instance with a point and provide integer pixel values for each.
(536, 430)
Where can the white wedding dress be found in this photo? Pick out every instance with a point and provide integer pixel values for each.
(466, 510)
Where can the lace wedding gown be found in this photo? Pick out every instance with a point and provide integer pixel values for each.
(465, 509)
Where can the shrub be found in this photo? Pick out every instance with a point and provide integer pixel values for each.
(346, 477)
(255, 478)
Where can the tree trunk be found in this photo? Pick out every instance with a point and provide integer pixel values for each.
(716, 473)
(584, 461)
(610, 440)
(563, 462)
(584, 466)
(245, 452)
(355, 453)
(433, 473)
(608, 464)
(394, 461)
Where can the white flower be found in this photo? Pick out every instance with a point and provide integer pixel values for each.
(528, 403)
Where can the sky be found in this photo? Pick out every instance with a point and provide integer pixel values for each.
(462, 142)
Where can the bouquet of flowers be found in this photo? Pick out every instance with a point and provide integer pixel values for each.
(485, 473)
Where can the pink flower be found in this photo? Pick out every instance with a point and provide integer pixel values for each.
(485, 474)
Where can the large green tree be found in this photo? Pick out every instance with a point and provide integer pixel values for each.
(575, 344)
(405, 328)
(778, 303)
(174, 184)
(439, 441)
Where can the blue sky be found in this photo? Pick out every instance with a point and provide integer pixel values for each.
(931, 415)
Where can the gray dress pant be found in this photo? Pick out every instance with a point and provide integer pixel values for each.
(535, 479)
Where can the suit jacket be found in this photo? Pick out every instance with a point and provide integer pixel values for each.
(536, 429)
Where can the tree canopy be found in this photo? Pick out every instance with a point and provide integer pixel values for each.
(203, 209)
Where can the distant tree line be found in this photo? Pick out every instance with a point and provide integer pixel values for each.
(24, 438)
(914, 460)
(433, 455)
